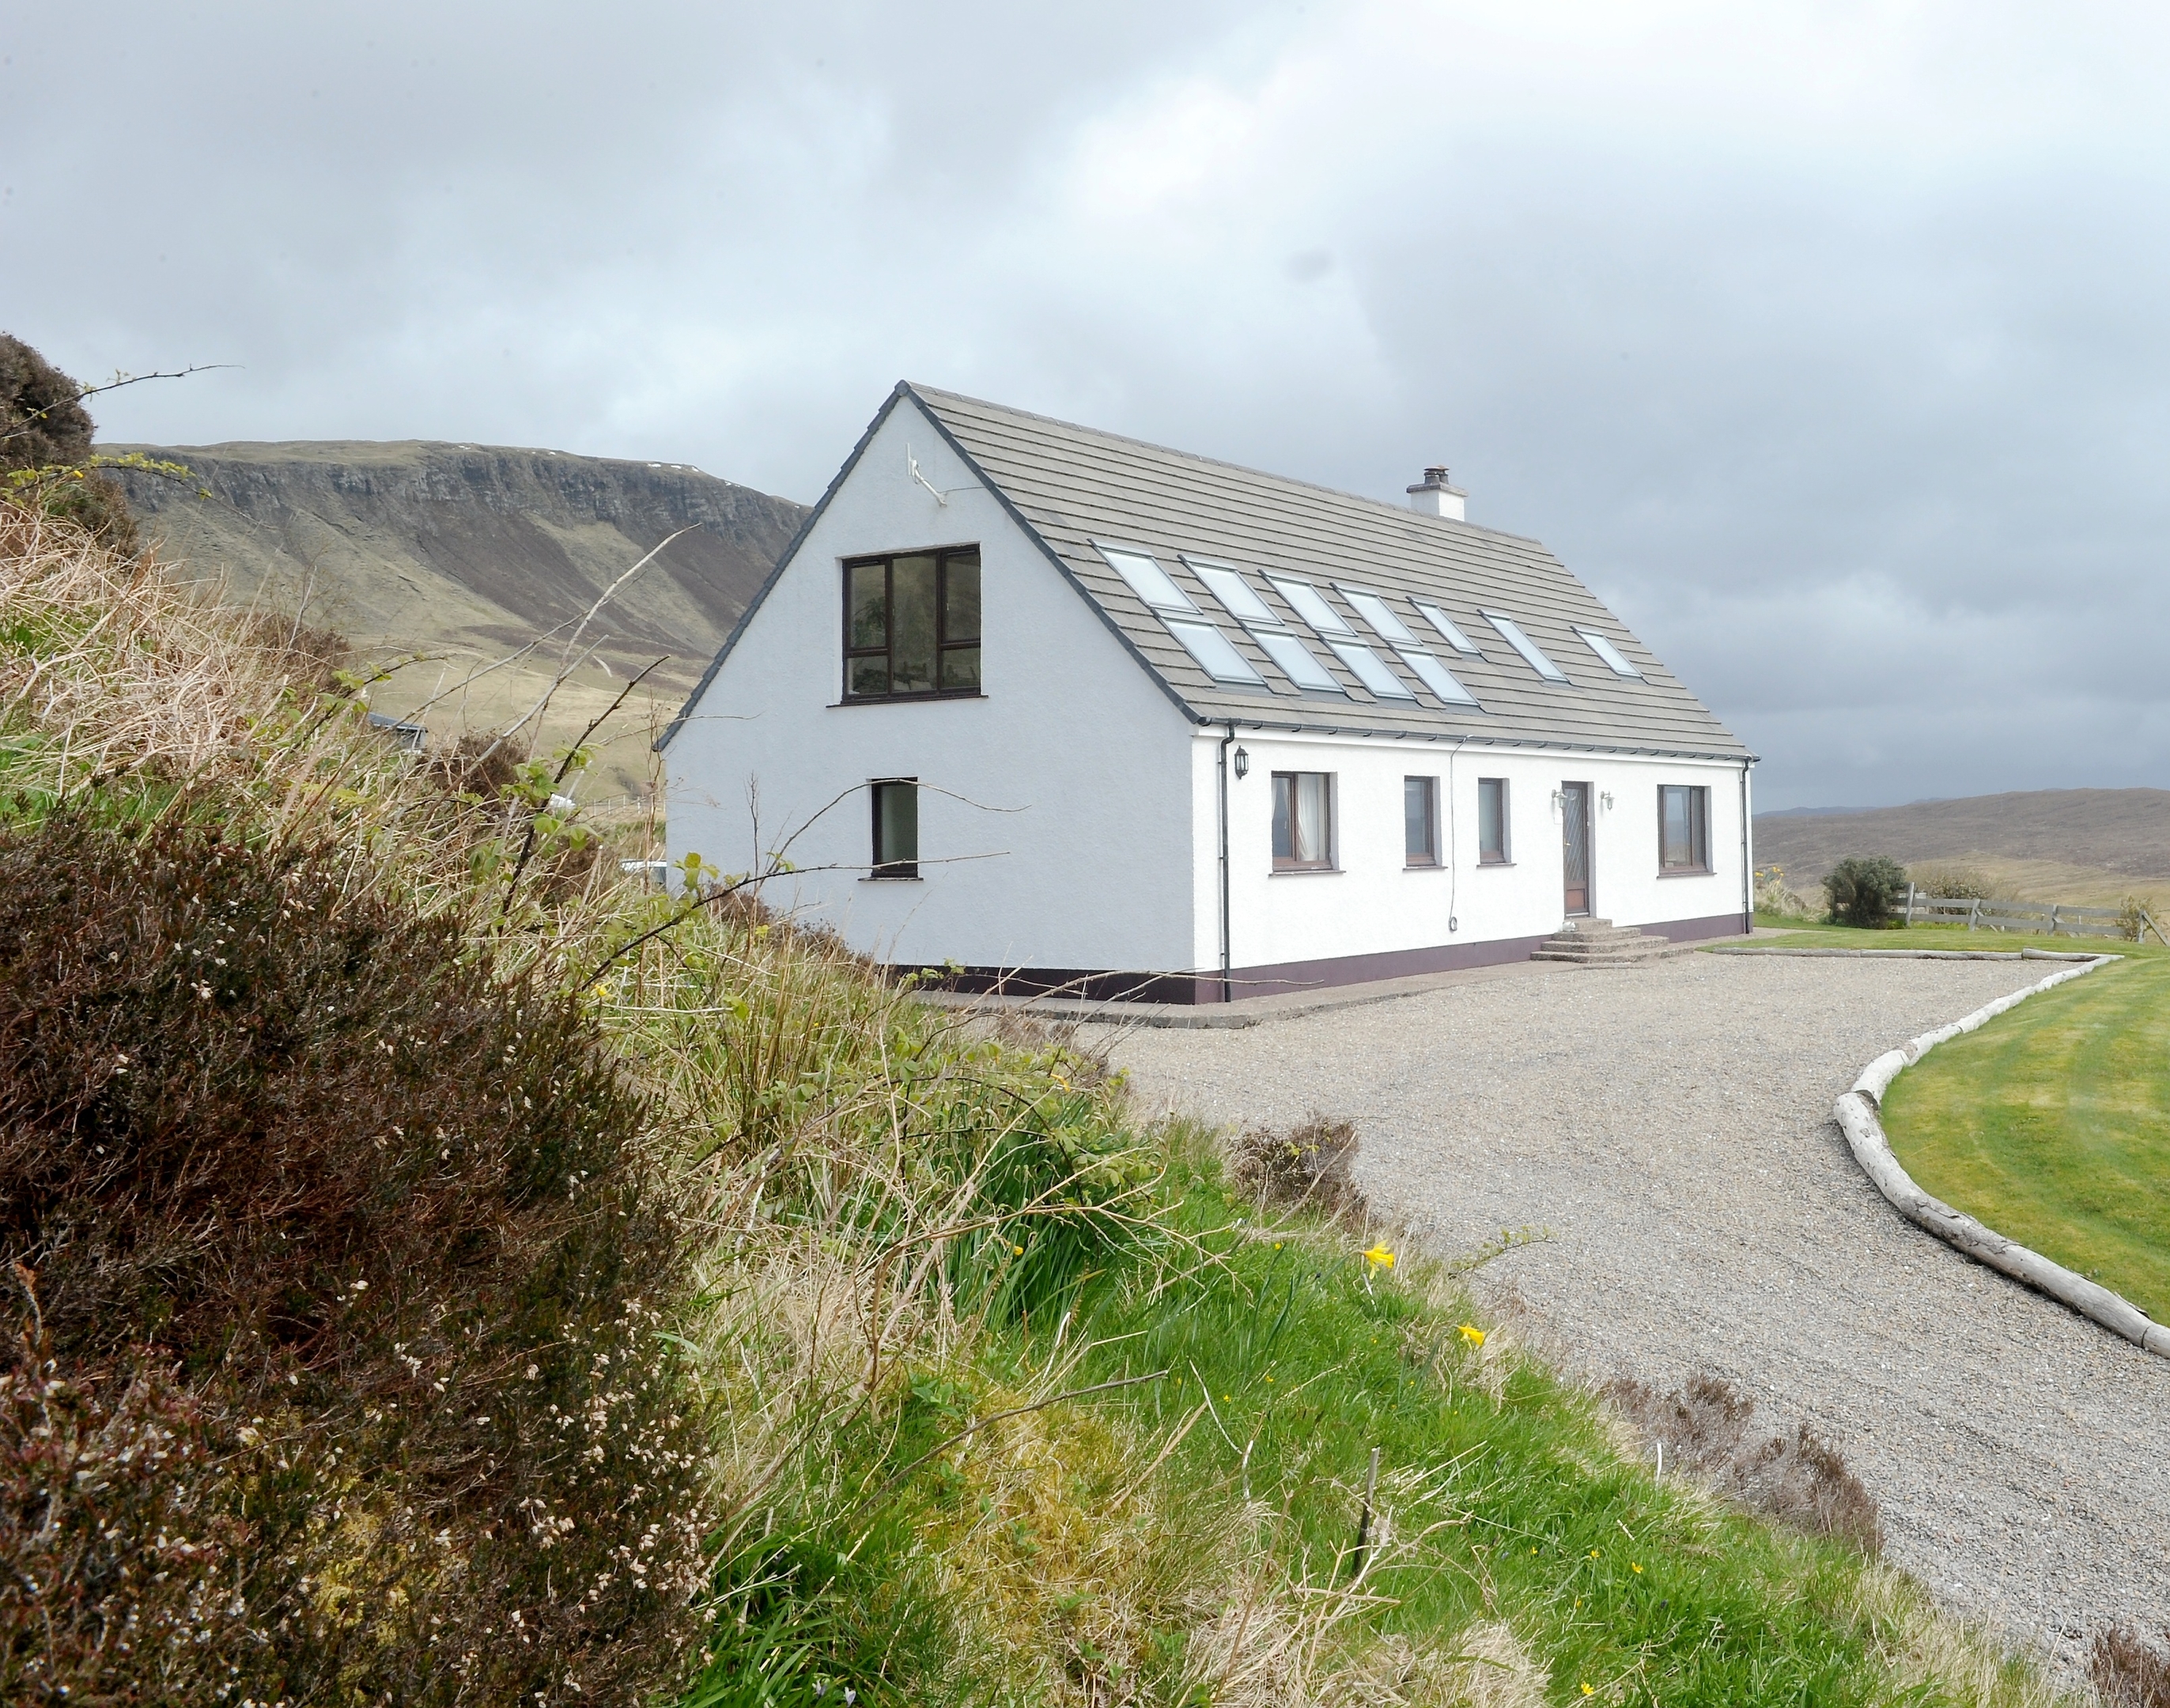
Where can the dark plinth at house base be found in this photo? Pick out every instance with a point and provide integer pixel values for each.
(1090, 984)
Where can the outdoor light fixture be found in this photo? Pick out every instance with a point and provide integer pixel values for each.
(1606, 798)
(1242, 765)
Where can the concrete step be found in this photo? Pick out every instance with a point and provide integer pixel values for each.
(1598, 943)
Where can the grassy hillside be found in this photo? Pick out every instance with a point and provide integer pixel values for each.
(2091, 847)
(447, 1275)
(467, 554)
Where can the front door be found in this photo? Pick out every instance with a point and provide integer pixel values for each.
(1574, 837)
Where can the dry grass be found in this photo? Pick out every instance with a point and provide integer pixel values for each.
(2129, 1670)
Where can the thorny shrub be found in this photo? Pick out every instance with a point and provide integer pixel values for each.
(1307, 1167)
(334, 1368)
(1705, 1429)
(2128, 1670)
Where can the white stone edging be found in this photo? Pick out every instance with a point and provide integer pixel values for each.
(1858, 1111)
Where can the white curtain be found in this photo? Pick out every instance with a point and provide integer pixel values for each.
(1311, 815)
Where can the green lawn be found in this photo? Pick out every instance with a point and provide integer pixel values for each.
(2051, 1124)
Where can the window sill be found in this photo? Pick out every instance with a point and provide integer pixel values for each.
(906, 700)
(1494, 865)
(1306, 872)
(1688, 872)
(1422, 866)
(891, 877)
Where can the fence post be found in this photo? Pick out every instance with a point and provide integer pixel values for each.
(1910, 901)
(1973, 915)
(2053, 919)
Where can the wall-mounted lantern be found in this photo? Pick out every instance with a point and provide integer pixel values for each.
(1242, 765)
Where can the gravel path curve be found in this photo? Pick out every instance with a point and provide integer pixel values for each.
(1671, 1125)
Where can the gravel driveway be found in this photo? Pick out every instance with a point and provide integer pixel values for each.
(1670, 1124)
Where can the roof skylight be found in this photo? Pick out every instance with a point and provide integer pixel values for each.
(1310, 604)
(1511, 633)
(1615, 660)
(1147, 580)
(1296, 661)
(1369, 668)
(1232, 590)
(1436, 676)
(1216, 655)
(1446, 625)
(1373, 610)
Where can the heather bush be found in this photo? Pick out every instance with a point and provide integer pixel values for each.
(338, 1268)
(1866, 890)
(45, 448)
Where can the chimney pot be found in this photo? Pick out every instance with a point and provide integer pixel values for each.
(1433, 497)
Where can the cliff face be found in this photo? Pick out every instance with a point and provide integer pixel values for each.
(470, 551)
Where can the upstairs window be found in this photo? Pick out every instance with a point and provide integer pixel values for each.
(1421, 820)
(1493, 846)
(911, 625)
(1303, 821)
(896, 827)
(1683, 828)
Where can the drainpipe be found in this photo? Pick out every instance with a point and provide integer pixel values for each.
(1747, 854)
(1227, 982)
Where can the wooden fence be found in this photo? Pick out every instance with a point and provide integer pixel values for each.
(2038, 918)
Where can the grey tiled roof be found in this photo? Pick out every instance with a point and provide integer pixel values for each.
(1073, 486)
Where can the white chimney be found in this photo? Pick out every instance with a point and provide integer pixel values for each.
(1436, 498)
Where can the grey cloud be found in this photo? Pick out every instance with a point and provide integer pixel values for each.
(1826, 346)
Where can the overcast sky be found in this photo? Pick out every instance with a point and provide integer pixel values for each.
(1827, 343)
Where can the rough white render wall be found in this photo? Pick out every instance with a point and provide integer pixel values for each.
(1373, 903)
(1065, 829)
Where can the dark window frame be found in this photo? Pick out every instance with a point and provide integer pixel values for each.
(1291, 862)
(878, 792)
(943, 646)
(1696, 862)
(1426, 858)
(1504, 854)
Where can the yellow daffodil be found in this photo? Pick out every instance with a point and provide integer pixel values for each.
(1471, 1333)
(1379, 1257)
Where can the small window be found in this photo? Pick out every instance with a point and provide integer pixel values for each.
(1303, 821)
(1448, 630)
(896, 827)
(1421, 820)
(1373, 610)
(1370, 669)
(1310, 604)
(911, 625)
(1493, 846)
(1613, 660)
(1436, 676)
(1148, 580)
(1511, 633)
(1215, 653)
(1683, 828)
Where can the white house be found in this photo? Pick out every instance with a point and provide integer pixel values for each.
(1063, 710)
